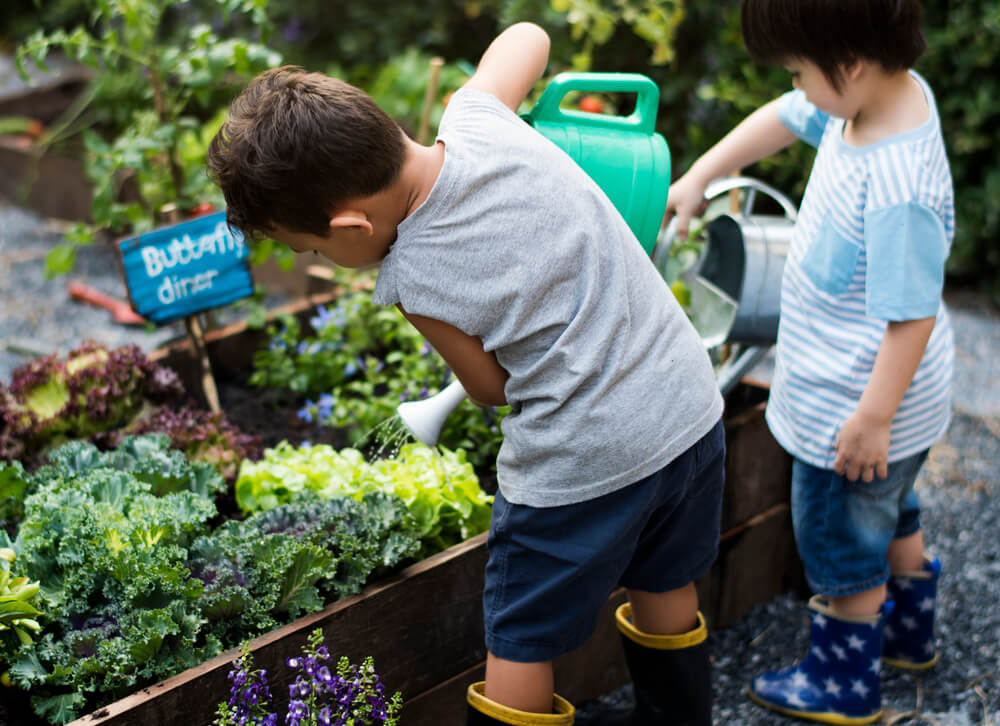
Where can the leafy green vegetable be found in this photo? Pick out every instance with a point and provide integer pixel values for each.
(17, 613)
(440, 488)
(92, 390)
(116, 548)
(110, 556)
(15, 484)
(201, 435)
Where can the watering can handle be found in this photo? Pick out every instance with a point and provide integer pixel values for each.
(642, 119)
(721, 186)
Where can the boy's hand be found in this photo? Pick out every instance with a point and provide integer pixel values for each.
(685, 200)
(863, 448)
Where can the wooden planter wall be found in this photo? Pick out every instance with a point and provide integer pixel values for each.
(423, 626)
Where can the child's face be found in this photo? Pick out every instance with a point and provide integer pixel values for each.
(807, 77)
(344, 246)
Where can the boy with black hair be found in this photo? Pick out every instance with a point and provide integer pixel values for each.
(862, 382)
(521, 273)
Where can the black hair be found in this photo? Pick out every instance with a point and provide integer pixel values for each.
(834, 33)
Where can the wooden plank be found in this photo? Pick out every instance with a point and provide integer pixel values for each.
(758, 470)
(443, 704)
(595, 668)
(421, 626)
(757, 563)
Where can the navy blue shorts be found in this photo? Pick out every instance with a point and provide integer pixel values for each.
(551, 569)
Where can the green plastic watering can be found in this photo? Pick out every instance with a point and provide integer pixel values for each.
(625, 156)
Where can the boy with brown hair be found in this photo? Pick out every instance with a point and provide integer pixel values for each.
(515, 266)
(862, 382)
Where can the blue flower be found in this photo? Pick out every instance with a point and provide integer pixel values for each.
(306, 413)
(325, 406)
(323, 319)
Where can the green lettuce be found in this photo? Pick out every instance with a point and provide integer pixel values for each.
(439, 486)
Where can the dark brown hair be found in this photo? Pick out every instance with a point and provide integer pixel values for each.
(297, 144)
(833, 33)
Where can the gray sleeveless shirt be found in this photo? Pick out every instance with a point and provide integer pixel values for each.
(518, 246)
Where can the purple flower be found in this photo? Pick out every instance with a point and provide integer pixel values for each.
(296, 712)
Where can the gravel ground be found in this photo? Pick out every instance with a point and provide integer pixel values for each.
(959, 487)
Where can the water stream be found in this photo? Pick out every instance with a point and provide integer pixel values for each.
(390, 435)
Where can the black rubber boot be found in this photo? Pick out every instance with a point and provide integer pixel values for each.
(484, 712)
(672, 675)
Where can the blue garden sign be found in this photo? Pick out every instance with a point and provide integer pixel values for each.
(177, 271)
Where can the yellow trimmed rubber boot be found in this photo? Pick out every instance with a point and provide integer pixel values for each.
(672, 674)
(909, 628)
(484, 712)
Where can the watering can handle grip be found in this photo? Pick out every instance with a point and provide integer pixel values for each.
(642, 119)
(719, 187)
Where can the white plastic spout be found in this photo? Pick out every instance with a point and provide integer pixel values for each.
(425, 418)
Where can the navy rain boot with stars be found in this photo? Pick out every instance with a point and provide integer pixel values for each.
(838, 681)
(909, 629)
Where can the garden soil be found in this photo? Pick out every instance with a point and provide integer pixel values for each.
(959, 489)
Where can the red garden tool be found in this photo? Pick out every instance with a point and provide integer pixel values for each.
(120, 310)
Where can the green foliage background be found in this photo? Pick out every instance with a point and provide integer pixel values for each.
(707, 81)
(692, 48)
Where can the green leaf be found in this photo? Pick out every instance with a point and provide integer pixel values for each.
(59, 709)
(60, 260)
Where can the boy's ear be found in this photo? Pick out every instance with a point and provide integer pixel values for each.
(351, 218)
(853, 70)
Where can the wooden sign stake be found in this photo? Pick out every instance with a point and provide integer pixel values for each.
(197, 338)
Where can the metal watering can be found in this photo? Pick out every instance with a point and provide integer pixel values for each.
(735, 283)
(625, 156)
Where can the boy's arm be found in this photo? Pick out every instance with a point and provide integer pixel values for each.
(760, 134)
(480, 374)
(863, 442)
(514, 61)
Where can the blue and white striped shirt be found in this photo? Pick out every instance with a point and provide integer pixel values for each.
(869, 247)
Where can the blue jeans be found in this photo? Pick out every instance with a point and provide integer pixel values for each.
(551, 569)
(843, 529)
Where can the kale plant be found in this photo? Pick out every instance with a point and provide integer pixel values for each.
(291, 560)
(106, 535)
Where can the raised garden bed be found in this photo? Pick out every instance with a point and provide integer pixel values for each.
(423, 625)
